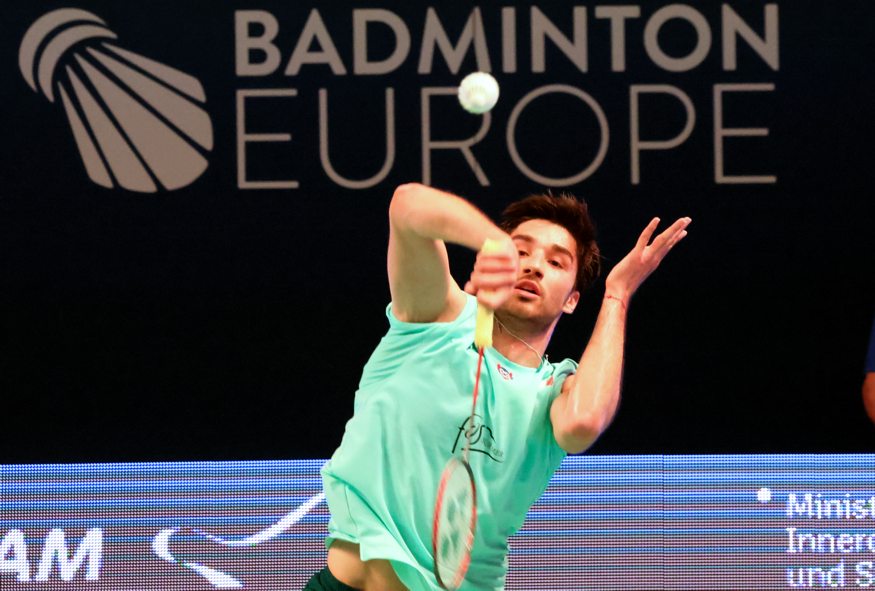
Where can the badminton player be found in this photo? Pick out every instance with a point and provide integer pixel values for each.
(412, 410)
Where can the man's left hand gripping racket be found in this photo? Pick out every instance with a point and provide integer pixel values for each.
(455, 511)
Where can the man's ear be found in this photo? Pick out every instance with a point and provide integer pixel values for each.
(571, 302)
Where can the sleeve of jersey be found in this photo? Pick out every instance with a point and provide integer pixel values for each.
(563, 369)
(404, 339)
(401, 328)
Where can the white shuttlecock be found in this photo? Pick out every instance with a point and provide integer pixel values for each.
(148, 124)
(478, 93)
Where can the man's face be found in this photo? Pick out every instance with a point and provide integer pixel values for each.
(548, 272)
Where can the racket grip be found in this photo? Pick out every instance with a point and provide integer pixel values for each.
(485, 316)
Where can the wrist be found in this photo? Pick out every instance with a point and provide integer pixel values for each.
(623, 302)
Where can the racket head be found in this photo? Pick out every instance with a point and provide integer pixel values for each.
(455, 520)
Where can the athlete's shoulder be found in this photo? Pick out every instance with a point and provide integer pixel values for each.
(463, 318)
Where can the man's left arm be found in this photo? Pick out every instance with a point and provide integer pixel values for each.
(589, 399)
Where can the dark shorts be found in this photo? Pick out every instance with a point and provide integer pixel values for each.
(325, 581)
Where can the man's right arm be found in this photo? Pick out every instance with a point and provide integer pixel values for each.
(421, 221)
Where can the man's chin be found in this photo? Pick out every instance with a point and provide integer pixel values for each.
(523, 308)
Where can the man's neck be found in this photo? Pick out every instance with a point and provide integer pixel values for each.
(519, 342)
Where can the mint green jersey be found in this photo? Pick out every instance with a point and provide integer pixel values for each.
(411, 411)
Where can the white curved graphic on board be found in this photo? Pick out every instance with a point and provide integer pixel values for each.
(218, 579)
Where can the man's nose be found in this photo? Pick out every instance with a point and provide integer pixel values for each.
(533, 264)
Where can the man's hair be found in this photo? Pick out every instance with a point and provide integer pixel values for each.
(569, 212)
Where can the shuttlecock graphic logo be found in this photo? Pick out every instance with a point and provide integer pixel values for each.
(138, 123)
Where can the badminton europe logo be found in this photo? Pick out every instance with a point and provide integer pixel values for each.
(138, 124)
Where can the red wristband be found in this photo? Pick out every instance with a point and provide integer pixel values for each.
(613, 297)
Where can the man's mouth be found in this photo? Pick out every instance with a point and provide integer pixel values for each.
(528, 287)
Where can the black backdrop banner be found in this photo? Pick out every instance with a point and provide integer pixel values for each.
(193, 210)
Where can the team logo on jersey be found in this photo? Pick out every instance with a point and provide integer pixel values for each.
(482, 438)
(504, 372)
(138, 124)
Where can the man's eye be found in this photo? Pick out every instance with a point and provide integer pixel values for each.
(522, 253)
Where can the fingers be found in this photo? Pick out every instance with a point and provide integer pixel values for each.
(495, 270)
(494, 275)
(492, 299)
(644, 239)
(678, 236)
(630, 272)
(674, 234)
(666, 241)
(668, 238)
(494, 264)
(492, 282)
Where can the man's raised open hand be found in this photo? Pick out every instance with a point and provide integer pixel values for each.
(625, 278)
